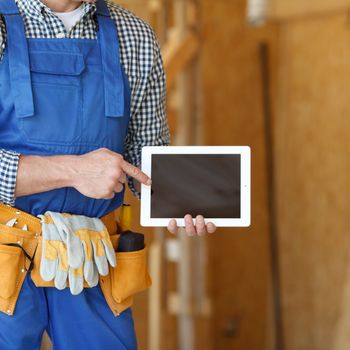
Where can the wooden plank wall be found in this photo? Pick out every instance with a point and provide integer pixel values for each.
(311, 56)
(313, 145)
(233, 115)
(284, 9)
(313, 166)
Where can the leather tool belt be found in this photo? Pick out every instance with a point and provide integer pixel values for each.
(20, 253)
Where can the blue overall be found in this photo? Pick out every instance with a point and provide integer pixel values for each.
(63, 96)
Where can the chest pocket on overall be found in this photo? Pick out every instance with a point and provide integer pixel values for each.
(57, 97)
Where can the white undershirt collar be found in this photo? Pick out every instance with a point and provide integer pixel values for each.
(70, 18)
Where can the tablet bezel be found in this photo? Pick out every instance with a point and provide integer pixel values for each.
(146, 164)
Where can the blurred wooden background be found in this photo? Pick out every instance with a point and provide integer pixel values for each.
(309, 45)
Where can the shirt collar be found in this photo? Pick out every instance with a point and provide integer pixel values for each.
(37, 9)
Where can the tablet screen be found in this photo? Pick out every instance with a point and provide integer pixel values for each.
(205, 184)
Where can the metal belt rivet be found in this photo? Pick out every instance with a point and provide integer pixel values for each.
(18, 212)
(19, 242)
(11, 222)
(9, 312)
(23, 270)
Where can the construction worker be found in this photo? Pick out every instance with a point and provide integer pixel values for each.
(82, 90)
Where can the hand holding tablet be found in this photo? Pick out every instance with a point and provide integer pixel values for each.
(203, 181)
(193, 227)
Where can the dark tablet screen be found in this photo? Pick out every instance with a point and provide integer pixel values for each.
(206, 184)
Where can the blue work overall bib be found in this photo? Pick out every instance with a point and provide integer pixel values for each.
(63, 96)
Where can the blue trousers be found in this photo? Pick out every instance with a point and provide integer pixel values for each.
(72, 322)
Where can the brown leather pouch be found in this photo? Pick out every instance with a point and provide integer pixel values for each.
(17, 248)
(128, 278)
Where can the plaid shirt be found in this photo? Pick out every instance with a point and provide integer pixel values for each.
(139, 50)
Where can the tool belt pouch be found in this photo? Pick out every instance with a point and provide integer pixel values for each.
(17, 248)
(130, 276)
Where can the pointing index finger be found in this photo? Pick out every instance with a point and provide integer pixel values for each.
(136, 173)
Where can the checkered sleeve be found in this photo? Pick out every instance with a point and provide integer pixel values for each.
(8, 174)
(2, 36)
(149, 126)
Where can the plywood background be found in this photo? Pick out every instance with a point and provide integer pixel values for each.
(311, 57)
(232, 106)
(310, 60)
(284, 9)
(313, 145)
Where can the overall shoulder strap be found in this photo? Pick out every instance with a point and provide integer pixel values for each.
(17, 47)
(8, 7)
(110, 53)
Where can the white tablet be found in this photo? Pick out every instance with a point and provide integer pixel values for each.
(213, 181)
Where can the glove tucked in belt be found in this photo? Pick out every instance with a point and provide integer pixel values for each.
(74, 247)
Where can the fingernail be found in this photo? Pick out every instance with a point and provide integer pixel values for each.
(149, 182)
(211, 228)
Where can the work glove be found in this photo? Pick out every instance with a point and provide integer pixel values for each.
(86, 251)
(54, 259)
